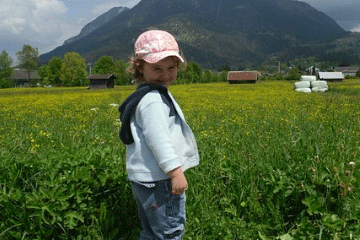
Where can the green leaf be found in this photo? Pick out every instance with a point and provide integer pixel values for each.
(46, 209)
(285, 237)
(72, 218)
(332, 221)
(314, 204)
(262, 236)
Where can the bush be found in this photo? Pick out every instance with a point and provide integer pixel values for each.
(6, 83)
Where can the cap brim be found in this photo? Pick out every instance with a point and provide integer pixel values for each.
(155, 57)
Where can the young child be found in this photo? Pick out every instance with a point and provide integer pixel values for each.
(160, 145)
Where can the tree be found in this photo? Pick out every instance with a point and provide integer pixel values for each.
(105, 65)
(28, 58)
(54, 70)
(223, 76)
(215, 77)
(294, 74)
(207, 76)
(73, 70)
(43, 72)
(192, 74)
(122, 77)
(327, 65)
(196, 70)
(5, 70)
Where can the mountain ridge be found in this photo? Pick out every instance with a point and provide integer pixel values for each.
(211, 32)
(97, 23)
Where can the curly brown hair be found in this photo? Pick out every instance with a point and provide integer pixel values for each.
(136, 64)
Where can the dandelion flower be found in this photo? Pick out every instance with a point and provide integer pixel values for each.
(352, 164)
(94, 109)
(113, 104)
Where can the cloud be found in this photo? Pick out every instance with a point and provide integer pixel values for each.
(356, 29)
(39, 22)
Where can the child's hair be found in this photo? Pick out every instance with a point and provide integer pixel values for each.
(153, 46)
(136, 64)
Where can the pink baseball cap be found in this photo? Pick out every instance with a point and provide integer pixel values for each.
(155, 45)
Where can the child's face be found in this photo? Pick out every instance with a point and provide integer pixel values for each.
(162, 73)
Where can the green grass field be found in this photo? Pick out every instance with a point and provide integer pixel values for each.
(275, 163)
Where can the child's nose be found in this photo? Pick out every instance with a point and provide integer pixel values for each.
(166, 75)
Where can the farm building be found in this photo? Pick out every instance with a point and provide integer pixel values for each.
(312, 70)
(101, 81)
(242, 76)
(23, 78)
(331, 76)
(348, 71)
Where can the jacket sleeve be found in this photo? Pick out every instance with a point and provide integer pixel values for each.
(154, 121)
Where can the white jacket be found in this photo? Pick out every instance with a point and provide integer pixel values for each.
(161, 143)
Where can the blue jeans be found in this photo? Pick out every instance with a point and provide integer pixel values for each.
(161, 213)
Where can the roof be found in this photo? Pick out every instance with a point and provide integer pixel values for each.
(331, 75)
(100, 76)
(346, 69)
(350, 71)
(24, 74)
(242, 75)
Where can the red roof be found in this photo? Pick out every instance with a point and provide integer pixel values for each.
(242, 75)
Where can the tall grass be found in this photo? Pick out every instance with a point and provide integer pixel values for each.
(275, 163)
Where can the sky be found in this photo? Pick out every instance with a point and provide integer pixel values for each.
(46, 24)
(346, 13)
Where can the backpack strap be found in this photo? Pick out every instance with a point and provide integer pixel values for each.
(128, 107)
(168, 101)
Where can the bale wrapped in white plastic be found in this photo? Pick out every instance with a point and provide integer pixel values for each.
(317, 89)
(304, 90)
(308, 78)
(302, 84)
(319, 84)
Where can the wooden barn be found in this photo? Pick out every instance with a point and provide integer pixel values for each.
(23, 78)
(242, 76)
(99, 81)
(331, 76)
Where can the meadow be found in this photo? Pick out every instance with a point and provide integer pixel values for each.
(275, 163)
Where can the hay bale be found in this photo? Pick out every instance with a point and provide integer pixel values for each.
(304, 90)
(302, 84)
(319, 84)
(308, 78)
(317, 89)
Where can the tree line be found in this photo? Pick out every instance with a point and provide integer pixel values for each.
(71, 70)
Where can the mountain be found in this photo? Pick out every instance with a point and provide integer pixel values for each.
(97, 23)
(213, 33)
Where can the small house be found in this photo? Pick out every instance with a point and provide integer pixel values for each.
(24, 78)
(312, 70)
(331, 76)
(99, 81)
(242, 76)
(348, 71)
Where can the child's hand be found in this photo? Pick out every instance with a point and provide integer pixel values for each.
(178, 181)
